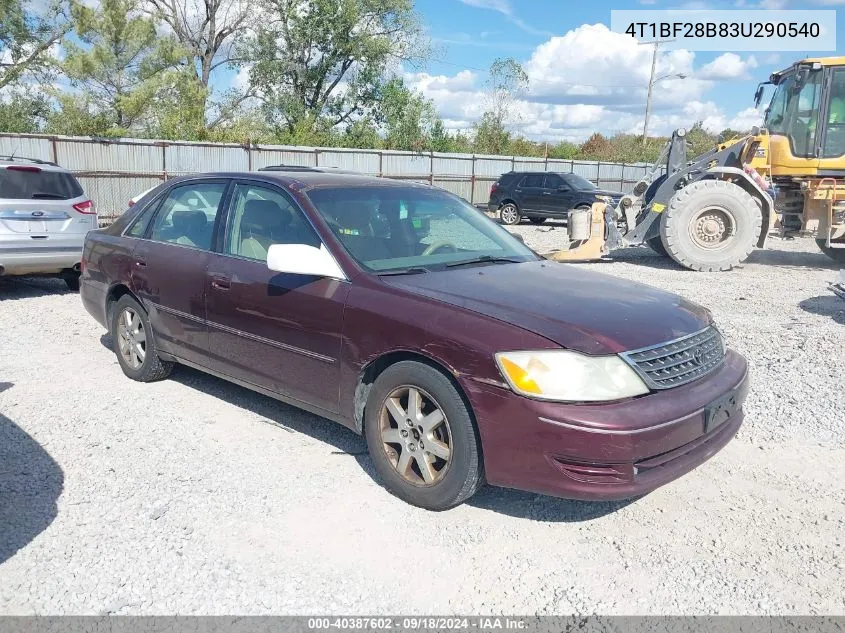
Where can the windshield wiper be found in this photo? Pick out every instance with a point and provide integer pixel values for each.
(485, 259)
(412, 270)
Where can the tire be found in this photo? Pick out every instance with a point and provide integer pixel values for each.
(72, 281)
(509, 214)
(151, 368)
(711, 225)
(836, 254)
(450, 481)
(656, 244)
(536, 220)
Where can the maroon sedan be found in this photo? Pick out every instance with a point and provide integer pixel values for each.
(401, 312)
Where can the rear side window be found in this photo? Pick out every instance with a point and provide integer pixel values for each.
(533, 180)
(506, 180)
(188, 214)
(32, 183)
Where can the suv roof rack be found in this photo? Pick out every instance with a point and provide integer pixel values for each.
(37, 161)
(319, 170)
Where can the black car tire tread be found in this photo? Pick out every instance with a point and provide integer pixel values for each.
(836, 254)
(466, 471)
(153, 368)
(72, 281)
(674, 225)
(656, 244)
(537, 220)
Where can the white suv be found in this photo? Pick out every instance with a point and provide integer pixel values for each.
(44, 216)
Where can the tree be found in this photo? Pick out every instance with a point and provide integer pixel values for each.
(507, 81)
(22, 113)
(440, 140)
(27, 32)
(727, 134)
(325, 60)
(407, 116)
(206, 30)
(119, 65)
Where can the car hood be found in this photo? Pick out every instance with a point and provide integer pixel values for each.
(578, 309)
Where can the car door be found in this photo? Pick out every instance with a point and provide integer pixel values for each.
(169, 266)
(557, 195)
(278, 331)
(530, 192)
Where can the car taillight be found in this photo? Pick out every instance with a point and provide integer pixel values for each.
(493, 188)
(85, 207)
(131, 202)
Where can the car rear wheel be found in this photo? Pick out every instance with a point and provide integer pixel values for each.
(536, 220)
(134, 343)
(422, 438)
(509, 214)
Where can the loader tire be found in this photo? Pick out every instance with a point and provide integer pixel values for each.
(711, 225)
(836, 254)
(656, 244)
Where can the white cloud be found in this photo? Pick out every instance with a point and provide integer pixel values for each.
(504, 7)
(592, 79)
(727, 66)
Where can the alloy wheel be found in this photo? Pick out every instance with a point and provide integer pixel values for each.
(416, 436)
(132, 338)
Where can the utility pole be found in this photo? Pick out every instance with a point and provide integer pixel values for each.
(651, 82)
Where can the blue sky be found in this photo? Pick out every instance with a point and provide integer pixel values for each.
(585, 78)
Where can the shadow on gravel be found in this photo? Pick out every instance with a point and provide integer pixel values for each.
(349, 444)
(791, 259)
(825, 305)
(30, 483)
(31, 287)
(534, 507)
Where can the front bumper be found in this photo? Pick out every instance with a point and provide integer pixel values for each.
(607, 451)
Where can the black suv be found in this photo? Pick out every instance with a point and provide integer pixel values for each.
(540, 195)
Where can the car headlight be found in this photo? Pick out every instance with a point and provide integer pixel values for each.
(568, 376)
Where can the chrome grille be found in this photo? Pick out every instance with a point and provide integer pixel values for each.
(680, 361)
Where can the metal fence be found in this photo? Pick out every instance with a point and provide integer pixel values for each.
(115, 170)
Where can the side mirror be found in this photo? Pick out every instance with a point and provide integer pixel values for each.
(301, 259)
(758, 96)
(519, 237)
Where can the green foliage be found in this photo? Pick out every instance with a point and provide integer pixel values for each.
(316, 61)
(23, 114)
(27, 31)
(407, 116)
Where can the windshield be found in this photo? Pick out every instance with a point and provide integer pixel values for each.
(793, 112)
(578, 182)
(28, 183)
(394, 228)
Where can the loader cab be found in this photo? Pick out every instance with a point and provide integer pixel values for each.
(805, 119)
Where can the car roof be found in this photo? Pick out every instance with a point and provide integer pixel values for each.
(6, 161)
(310, 180)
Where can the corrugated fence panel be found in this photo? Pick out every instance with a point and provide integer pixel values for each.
(23, 146)
(452, 164)
(559, 165)
(611, 171)
(362, 162)
(111, 194)
(264, 156)
(462, 188)
(481, 189)
(529, 164)
(190, 159)
(116, 157)
(492, 166)
(588, 170)
(394, 164)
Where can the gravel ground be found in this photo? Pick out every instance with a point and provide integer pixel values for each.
(195, 496)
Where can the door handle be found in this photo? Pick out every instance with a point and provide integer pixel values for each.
(140, 263)
(547, 193)
(221, 283)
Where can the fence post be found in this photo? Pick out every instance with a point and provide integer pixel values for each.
(54, 149)
(316, 157)
(249, 154)
(472, 182)
(431, 167)
(598, 172)
(380, 164)
(164, 161)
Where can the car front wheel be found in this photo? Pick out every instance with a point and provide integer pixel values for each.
(134, 343)
(422, 438)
